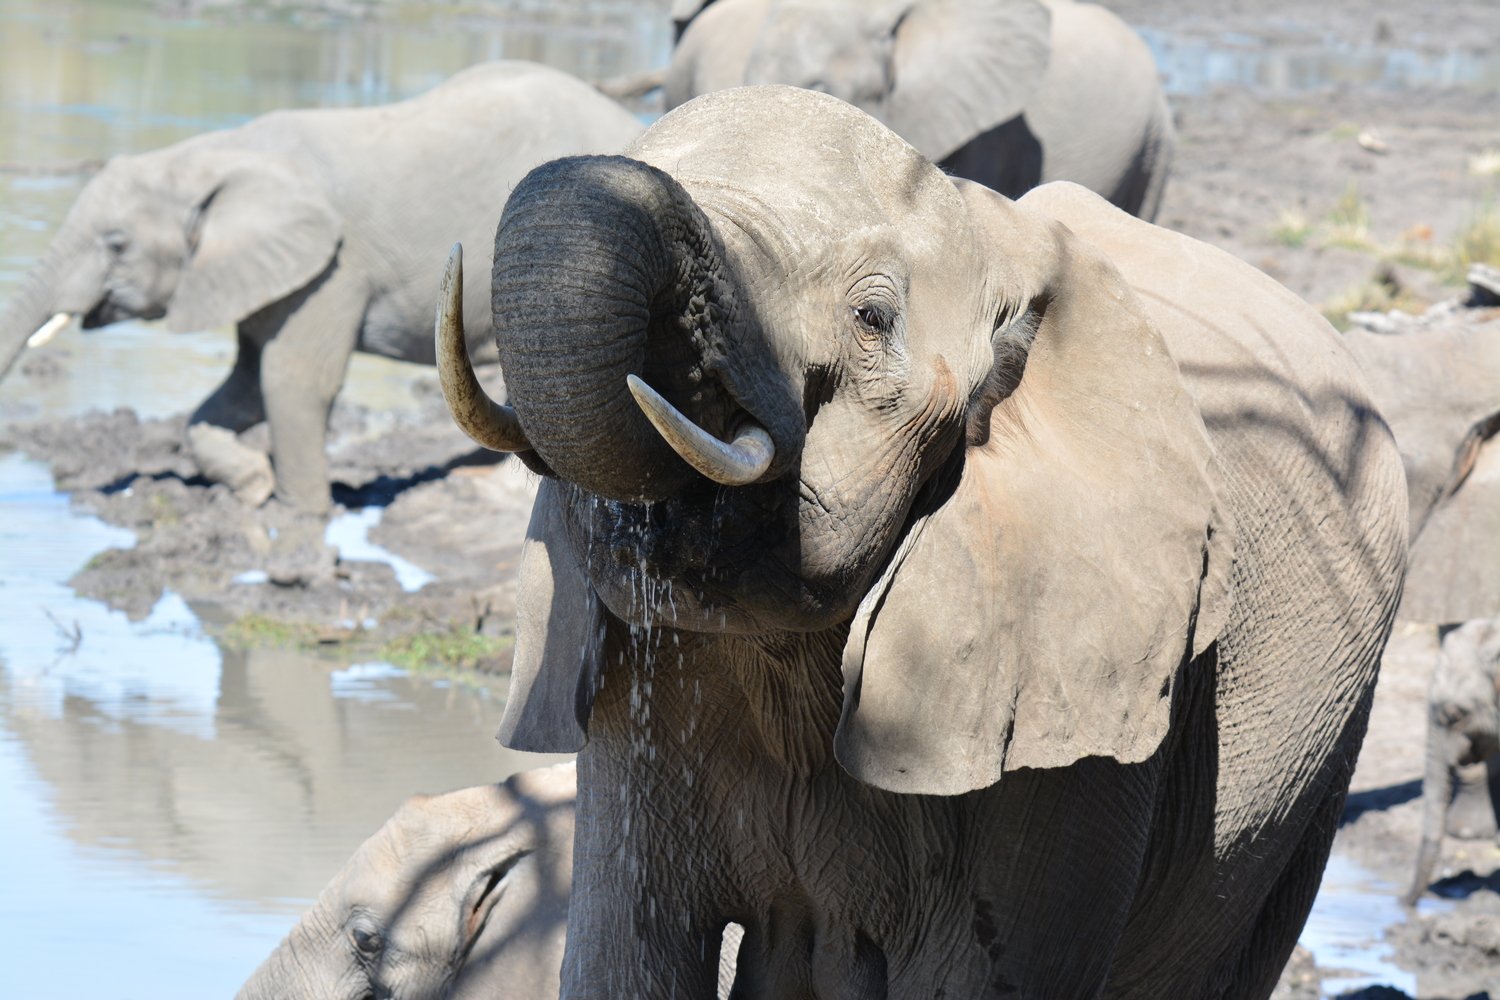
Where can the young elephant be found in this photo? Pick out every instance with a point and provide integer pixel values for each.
(457, 895)
(1009, 93)
(967, 597)
(313, 232)
(1463, 727)
(461, 896)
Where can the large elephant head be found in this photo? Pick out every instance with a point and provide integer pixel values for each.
(461, 896)
(198, 233)
(785, 376)
(938, 72)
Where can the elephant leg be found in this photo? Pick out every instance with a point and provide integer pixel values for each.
(1156, 164)
(1275, 933)
(302, 369)
(213, 429)
(1007, 158)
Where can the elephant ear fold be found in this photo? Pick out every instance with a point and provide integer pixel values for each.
(1067, 563)
(259, 232)
(962, 67)
(559, 639)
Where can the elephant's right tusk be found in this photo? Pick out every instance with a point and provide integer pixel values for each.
(48, 330)
(742, 461)
(477, 415)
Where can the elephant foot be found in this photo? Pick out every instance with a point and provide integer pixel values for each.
(298, 557)
(222, 458)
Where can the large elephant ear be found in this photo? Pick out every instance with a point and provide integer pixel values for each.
(559, 639)
(1068, 562)
(962, 67)
(260, 232)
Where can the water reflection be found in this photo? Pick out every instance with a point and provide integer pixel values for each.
(180, 800)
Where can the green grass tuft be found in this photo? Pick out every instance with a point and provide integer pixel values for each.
(456, 647)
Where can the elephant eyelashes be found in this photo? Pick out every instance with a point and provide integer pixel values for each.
(873, 318)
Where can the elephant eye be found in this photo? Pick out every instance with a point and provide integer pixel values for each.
(872, 318)
(367, 941)
(116, 242)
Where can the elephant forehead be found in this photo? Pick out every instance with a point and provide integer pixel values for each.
(807, 153)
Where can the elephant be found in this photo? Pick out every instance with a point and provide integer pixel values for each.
(1463, 728)
(311, 231)
(1436, 379)
(1437, 382)
(966, 597)
(1009, 93)
(458, 895)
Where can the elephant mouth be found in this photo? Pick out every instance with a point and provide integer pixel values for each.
(111, 309)
(709, 559)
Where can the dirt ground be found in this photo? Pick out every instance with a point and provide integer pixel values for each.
(1355, 197)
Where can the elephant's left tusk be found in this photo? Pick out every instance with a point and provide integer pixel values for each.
(48, 330)
(742, 461)
(477, 415)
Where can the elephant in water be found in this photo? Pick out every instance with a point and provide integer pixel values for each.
(967, 597)
(1009, 93)
(313, 232)
(462, 896)
(1463, 728)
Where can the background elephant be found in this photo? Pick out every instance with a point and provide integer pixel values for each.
(1010, 93)
(1437, 382)
(966, 597)
(1463, 728)
(457, 895)
(462, 895)
(314, 232)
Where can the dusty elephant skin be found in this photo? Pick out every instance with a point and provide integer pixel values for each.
(1037, 656)
(314, 232)
(1009, 93)
(1463, 728)
(462, 895)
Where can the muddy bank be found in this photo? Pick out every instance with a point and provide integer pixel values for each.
(453, 512)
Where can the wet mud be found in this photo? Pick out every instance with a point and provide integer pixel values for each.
(456, 513)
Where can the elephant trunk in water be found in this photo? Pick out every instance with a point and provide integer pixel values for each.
(1437, 793)
(38, 310)
(605, 268)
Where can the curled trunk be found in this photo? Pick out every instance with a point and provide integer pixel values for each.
(604, 268)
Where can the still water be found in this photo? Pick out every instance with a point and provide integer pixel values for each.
(169, 805)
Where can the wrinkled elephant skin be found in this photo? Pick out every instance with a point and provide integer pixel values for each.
(1036, 659)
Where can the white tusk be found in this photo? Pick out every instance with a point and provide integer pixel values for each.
(477, 415)
(742, 461)
(48, 330)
